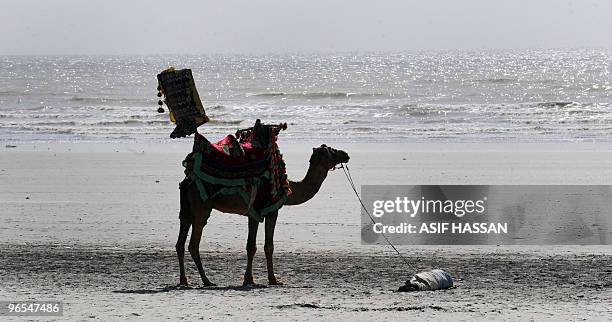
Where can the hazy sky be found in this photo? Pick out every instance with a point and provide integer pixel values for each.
(251, 26)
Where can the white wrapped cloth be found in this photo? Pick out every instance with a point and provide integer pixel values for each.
(436, 279)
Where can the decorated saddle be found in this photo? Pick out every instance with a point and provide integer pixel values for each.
(248, 164)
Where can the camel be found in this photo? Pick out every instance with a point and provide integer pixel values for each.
(323, 159)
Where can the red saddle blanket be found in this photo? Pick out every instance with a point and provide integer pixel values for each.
(231, 159)
(235, 167)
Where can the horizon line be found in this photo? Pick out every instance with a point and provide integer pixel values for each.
(320, 52)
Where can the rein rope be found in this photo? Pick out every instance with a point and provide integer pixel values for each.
(347, 173)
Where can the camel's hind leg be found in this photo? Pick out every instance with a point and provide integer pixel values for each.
(200, 212)
(180, 248)
(269, 247)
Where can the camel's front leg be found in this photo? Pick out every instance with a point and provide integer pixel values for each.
(200, 217)
(185, 218)
(269, 247)
(251, 248)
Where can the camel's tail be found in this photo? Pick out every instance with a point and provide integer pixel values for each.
(185, 211)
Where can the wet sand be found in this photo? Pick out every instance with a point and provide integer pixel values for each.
(95, 227)
(103, 284)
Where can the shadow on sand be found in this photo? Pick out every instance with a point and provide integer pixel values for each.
(172, 288)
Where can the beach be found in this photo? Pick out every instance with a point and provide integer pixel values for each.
(464, 149)
(94, 225)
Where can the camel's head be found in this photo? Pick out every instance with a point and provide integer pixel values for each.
(328, 157)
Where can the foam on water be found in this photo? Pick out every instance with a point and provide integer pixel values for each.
(526, 95)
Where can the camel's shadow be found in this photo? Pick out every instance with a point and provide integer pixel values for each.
(178, 288)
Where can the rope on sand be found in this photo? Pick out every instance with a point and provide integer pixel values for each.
(436, 279)
(347, 173)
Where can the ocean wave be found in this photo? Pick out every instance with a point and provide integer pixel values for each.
(63, 131)
(419, 110)
(364, 129)
(34, 108)
(13, 93)
(500, 80)
(555, 104)
(585, 111)
(107, 99)
(44, 130)
(57, 116)
(314, 94)
(352, 122)
(156, 122)
(114, 123)
(227, 122)
(85, 122)
(58, 123)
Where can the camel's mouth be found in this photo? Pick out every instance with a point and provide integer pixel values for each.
(329, 156)
(341, 157)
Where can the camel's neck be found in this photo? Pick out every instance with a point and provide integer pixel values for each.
(304, 190)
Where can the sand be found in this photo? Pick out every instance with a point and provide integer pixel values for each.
(94, 225)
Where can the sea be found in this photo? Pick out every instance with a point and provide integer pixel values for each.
(553, 95)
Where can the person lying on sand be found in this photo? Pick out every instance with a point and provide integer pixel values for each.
(436, 279)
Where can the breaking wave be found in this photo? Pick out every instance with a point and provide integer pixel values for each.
(314, 94)
(109, 100)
